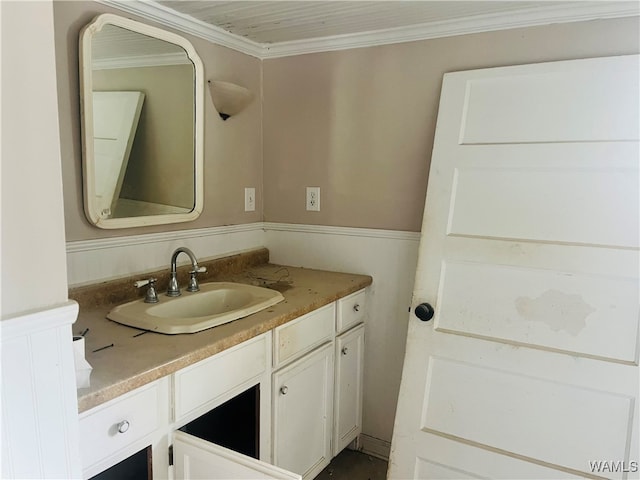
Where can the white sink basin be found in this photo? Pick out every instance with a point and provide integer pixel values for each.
(216, 303)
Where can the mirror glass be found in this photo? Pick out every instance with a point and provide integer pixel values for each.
(141, 102)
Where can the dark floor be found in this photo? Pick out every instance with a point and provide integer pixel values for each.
(352, 465)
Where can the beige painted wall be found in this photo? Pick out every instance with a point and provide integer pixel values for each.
(34, 273)
(360, 123)
(232, 149)
(161, 167)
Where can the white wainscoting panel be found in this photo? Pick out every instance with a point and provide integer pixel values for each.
(39, 405)
(390, 258)
(90, 261)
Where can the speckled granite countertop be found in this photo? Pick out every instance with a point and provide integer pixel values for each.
(137, 357)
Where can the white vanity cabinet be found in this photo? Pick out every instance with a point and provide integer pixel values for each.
(303, 382)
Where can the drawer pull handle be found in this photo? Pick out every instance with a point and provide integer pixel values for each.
(356, 307)
(345, 350)
(284, 389)
(123, 426)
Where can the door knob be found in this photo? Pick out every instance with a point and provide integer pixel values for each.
(424, 312)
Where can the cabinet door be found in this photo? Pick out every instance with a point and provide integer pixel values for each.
(303, 407)
(348, 388)
(197, 459)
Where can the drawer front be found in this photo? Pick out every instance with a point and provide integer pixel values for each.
(121, 427)
(303, 334)
(205, 384)
(350, 310)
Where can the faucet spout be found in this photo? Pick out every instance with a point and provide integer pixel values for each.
(178, 251)
(174, 290)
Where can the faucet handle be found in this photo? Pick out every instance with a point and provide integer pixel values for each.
(193, 280)
(142, 283)
(151, 296)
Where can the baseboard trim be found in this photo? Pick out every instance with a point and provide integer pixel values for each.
(375, 447)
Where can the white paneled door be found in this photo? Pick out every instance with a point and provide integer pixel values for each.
(115, 121)
(529, 257)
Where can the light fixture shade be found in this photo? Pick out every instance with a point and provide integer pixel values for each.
(229, 98)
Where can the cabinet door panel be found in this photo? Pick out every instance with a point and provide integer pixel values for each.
(197, 459)
(303, 408)
(348, 393)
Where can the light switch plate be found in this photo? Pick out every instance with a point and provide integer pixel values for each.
(249, 199)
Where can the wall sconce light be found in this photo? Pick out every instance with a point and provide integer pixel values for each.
(229, 98)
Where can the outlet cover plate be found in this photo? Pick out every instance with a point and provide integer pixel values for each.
(313, 199)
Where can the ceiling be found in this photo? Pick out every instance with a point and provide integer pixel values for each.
(286, 21)
(281, 27)
(113, 43)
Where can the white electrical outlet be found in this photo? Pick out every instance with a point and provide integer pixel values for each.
(249, 199)
(313, 199)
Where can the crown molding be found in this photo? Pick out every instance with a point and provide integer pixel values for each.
(160, 60)
(531, 17)
(543, 15)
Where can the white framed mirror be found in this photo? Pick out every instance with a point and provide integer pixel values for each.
(141, 102)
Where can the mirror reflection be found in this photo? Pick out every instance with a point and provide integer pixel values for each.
(140, 130)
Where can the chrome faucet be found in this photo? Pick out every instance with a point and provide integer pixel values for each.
(174, 290)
